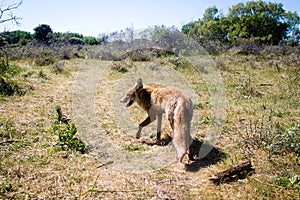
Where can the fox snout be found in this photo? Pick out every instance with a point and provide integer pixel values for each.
(128, 101)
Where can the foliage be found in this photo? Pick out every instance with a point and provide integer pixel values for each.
(288, 181)
(289, 141)
(91, 40)
(10, 81)
(66, 132)
(43, 33)
(15, 37)
(267, 22)
(76, 40)
(7, 129)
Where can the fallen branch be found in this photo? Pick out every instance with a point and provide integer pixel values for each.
(233, 173)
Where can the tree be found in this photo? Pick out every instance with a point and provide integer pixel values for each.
(6, 15)
(43, 33)
(15, 37)
(210, 27)
(6, 12)
(268, 22)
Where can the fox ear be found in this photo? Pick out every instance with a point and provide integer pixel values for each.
(139, 83)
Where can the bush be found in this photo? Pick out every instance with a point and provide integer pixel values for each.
(66, 132)
(288, 181)
(10, 80)
(270, 137)
(75, 40)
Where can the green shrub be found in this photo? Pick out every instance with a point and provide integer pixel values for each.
(10, 80)
(75, 40)
(66, 132)
(288, 181)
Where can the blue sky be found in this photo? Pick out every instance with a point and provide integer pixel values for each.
(92, 17)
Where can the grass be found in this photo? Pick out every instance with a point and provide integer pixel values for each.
(33, 166)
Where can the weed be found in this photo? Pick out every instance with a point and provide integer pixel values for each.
(289, 141)
(42, 74)
(247, 88)
(66, 133)
(7, 130)
(119, 66)
(288, 180)
(132, 147)
(270, 137)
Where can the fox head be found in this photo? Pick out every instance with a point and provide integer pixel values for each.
(130, 97)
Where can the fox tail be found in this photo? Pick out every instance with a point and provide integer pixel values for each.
(182, 126)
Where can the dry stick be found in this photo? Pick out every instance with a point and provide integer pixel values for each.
(115, 191)
(104, 164)
(235, 171)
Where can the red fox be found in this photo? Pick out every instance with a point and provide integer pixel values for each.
(158, 100)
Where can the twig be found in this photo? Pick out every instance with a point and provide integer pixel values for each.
(115, 191)
(104, 164)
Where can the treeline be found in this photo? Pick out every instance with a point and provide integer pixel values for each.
(256, 21)
(44, 34)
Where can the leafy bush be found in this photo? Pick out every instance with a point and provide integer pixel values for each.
(10, 80)
(75, 40)
(66, 132)
(288, 180)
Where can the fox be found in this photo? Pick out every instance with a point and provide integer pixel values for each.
(157, 100)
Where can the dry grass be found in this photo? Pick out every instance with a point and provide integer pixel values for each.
(33, 167)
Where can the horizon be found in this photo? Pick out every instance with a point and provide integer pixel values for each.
(95, 17)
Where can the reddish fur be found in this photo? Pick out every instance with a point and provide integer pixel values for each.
(177, 106)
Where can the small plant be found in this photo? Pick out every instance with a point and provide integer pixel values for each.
(119, 66)
(132, 147)
(7, 130)
(66, 132)
(289, 141)
(42, 74)
(270, 137)
(288, 180)
(247, 89)
(59, 67)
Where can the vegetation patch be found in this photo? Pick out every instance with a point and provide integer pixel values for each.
(11, 81)
(66, 132)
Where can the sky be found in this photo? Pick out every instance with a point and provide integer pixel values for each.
(93, 17)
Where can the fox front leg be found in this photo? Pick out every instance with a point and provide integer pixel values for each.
(142, 125)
